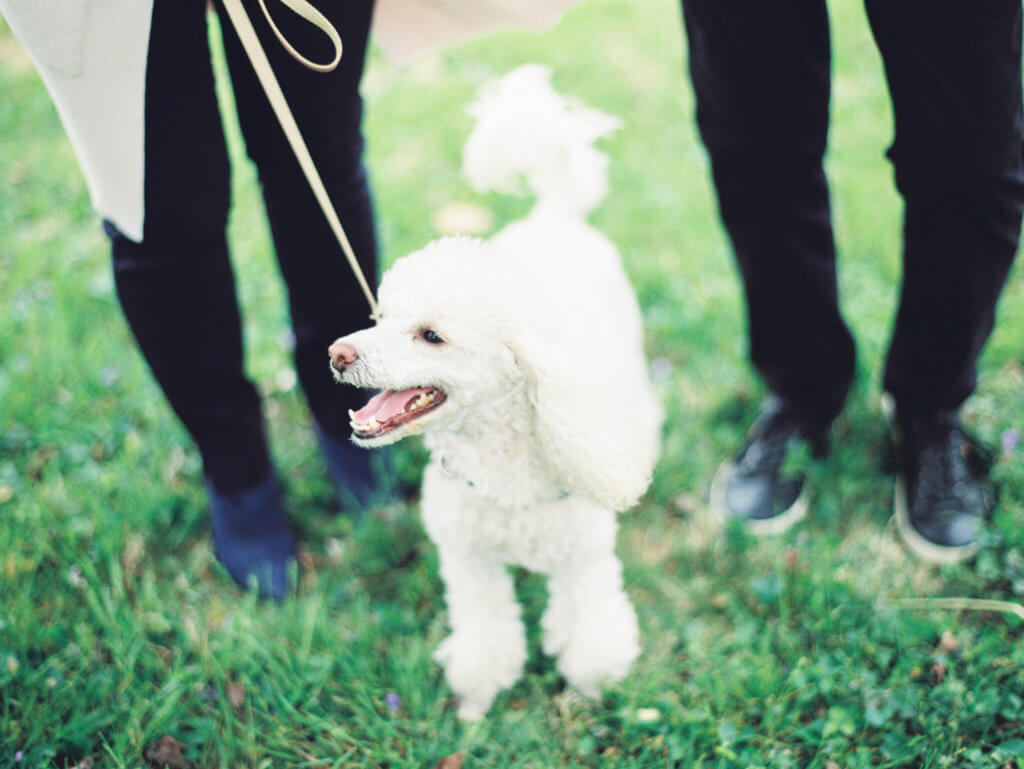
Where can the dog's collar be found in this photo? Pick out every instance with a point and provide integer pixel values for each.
(455, 475)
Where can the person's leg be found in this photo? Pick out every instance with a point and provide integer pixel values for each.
(324, 298)
(177, 291)
(954, 74)
(761, 73)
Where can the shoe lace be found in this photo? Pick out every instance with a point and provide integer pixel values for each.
(766, 450)
(944, 472)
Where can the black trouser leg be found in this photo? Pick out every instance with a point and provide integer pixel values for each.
(954, 74)
(176, 287)
(761, 76)
(324, 298)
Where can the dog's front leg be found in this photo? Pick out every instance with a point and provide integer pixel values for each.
(486, 650)
(590, 623)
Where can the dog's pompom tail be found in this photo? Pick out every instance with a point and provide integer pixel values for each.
(526, 131)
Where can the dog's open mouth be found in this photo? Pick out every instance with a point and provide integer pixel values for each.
(390, 409)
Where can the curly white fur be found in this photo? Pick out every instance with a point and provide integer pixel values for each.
(550, 424)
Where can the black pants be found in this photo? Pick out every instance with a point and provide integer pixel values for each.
(761, 71)
(177, 287)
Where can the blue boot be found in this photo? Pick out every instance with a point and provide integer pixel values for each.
(364, 478)
(252, 537)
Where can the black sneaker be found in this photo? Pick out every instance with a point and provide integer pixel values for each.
(940, 500)
(754, 486)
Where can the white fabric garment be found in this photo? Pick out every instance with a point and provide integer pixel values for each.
(92, 56)
(404, 28)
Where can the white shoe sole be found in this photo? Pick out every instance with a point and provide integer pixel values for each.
(917, 545)
(767, 527)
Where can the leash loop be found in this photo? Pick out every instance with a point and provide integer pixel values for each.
(317, 19)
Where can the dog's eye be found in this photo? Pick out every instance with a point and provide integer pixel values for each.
(429, 335)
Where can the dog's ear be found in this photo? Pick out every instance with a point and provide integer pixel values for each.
(597, 427)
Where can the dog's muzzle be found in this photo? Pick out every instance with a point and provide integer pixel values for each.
(342, 355)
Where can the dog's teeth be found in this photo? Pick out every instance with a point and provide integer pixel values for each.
(424, 400)
(369, 426)
(351, 415)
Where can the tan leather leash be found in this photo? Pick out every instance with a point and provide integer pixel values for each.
(313, 16)
(258, 57)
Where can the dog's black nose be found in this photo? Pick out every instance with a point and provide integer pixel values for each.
(342, 354)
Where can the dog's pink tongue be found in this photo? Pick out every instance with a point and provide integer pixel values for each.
(389, 403)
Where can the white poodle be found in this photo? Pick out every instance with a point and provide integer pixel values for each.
(521, 360)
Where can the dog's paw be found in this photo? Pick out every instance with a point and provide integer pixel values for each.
(590, 680)
(588, 670)
(443, 652)
(478, 667)
(470, 708)
(600, 651)
(470, 711)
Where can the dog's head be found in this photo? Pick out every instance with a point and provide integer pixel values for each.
(466, 340)
(436, 352)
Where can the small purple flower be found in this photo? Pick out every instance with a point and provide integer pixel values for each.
(18, 756)
(393, 701)
(660, 369)
(1010, 439)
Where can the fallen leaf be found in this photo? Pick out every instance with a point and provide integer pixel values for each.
(948, 643)
(85, 763)
(454, 761)
(791, 560)
(686, 503)
(236, 694)
(308, 560)
(831, 765)
(166, 752)
(38, 462)
(166, 655)
(938, 671)
(134, 552)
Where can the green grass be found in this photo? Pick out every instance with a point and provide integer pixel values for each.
(117, 626)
